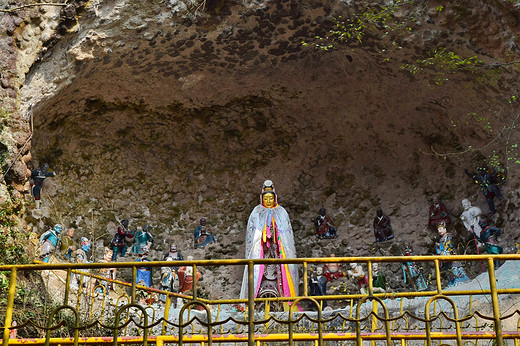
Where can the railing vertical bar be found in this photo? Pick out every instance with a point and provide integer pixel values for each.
(76, 328)
(290, 325)
(10, 305)
(457, 325)
(80, 289)
(374, 302)
(222, 325)
(387, 323)
(438, 276)
(374, 319)
(251, 302)
(305, 280)
(167, 305)
(134, 276)
(494, 298)
(67, 287)
(427, 326)
(194, 288)
(438, 284)
(370, 283)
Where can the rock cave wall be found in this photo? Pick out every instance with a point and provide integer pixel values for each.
(165, 113)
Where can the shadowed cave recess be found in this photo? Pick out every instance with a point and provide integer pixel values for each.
(166, 112)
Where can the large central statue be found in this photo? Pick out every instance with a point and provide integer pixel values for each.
(270, 235)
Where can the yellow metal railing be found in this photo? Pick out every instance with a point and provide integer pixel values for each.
(125, 321)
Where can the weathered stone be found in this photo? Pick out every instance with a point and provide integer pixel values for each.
(180, 117)
(4, 195)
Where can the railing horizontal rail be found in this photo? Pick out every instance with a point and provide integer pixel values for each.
(263, 337)
(382, 259)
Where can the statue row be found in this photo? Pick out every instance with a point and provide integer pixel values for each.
(173, 279)
(437, 214)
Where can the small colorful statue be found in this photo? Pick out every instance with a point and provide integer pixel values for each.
(169, 281)
(118, 243)
(471, 217)
(324, 226)
(142, 238)
(356, 272)
(67, 244)
(203, 235)
(13, 333)
(144, 274)
(186, 277)
(444, 247)
(37, 178)
(382, 227)
(318, 285)
(49, 241)
(489, 237)
(80, 256)
(379, 284)
(173, 254)
(145, 298)
(438, 213)
(333, 271)
(412, 273)
(102, 288)
(488, 181)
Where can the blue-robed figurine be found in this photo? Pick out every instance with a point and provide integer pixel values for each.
(489, 237)
(141, 238)
(412, 273)
(456, 273)
(203, 235)
(48, 242)
(144, 274)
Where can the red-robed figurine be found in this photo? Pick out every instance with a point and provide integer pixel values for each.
(438, 213)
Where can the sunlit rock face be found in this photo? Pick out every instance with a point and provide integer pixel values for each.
(164, 113)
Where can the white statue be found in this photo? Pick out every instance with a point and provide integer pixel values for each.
(269, 235)
(470, 217)
(356, 271)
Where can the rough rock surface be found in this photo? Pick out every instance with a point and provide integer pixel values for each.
(164, 112)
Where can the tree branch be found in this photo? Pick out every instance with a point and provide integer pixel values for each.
(468, 149)
(502, 64)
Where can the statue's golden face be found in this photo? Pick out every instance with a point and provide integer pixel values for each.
(268, 200)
